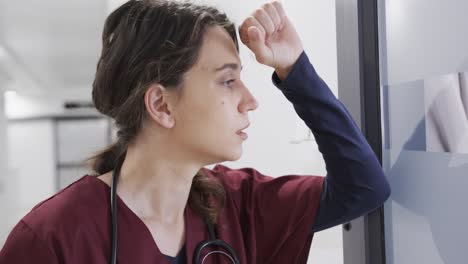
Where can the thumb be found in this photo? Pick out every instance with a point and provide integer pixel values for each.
(257, 44)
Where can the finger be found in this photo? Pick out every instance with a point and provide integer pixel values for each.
(243, 34)
(249, 22)
(271, 10)
(262, 16)
(256, 44)
(279, 9)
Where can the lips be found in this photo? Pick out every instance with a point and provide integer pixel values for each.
(240, 130)
(243, 135)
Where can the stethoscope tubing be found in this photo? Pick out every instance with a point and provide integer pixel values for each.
(213, 241)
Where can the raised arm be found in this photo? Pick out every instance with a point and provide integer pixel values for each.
(355, 183)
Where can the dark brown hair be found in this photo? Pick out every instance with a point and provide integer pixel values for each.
(146, 42)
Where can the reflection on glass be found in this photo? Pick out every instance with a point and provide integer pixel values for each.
(424, 82)
(446, 102)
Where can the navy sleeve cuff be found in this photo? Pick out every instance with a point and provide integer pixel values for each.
(296, 75)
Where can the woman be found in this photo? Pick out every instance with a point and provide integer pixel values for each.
(169, 77)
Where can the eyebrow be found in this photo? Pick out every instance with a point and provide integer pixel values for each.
(233, 66)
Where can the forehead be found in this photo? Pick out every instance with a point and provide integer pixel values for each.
(217, 49)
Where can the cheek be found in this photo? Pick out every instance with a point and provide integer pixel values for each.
(219, 112)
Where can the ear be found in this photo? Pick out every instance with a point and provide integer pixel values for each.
(158, 106)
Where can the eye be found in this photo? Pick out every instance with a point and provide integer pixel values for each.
(229, 82)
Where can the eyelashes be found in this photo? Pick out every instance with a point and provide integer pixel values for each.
(229, 82)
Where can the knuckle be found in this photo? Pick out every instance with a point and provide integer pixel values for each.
(258, 12)
(268, 6)
(248, 22)
(277, 5)
(260, 59)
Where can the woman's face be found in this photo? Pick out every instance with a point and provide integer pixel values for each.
(215, 102)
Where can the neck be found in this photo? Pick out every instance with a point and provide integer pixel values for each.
(155, 182)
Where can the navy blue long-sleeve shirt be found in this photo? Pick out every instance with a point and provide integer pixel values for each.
(355, 183)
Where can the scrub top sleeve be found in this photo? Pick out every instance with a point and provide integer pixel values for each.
(277, 212)
(23, 246)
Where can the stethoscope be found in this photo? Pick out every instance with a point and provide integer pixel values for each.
(212, 241)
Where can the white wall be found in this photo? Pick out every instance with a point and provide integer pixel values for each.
(28, 155)
(4, 195)
(26, 104)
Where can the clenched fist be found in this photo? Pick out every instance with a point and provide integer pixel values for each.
(270, 35)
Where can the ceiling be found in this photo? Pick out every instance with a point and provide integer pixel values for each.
(53, 43)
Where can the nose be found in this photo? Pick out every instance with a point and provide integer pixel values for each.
(248, 102)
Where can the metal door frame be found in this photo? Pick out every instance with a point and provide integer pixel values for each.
(359, 90)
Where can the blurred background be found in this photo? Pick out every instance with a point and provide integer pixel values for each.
(48, 55)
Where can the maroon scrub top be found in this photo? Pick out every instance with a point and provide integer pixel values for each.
(265, 220)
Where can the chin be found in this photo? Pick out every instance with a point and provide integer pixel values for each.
(234, 154)
(227, 151)
(236, 158)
